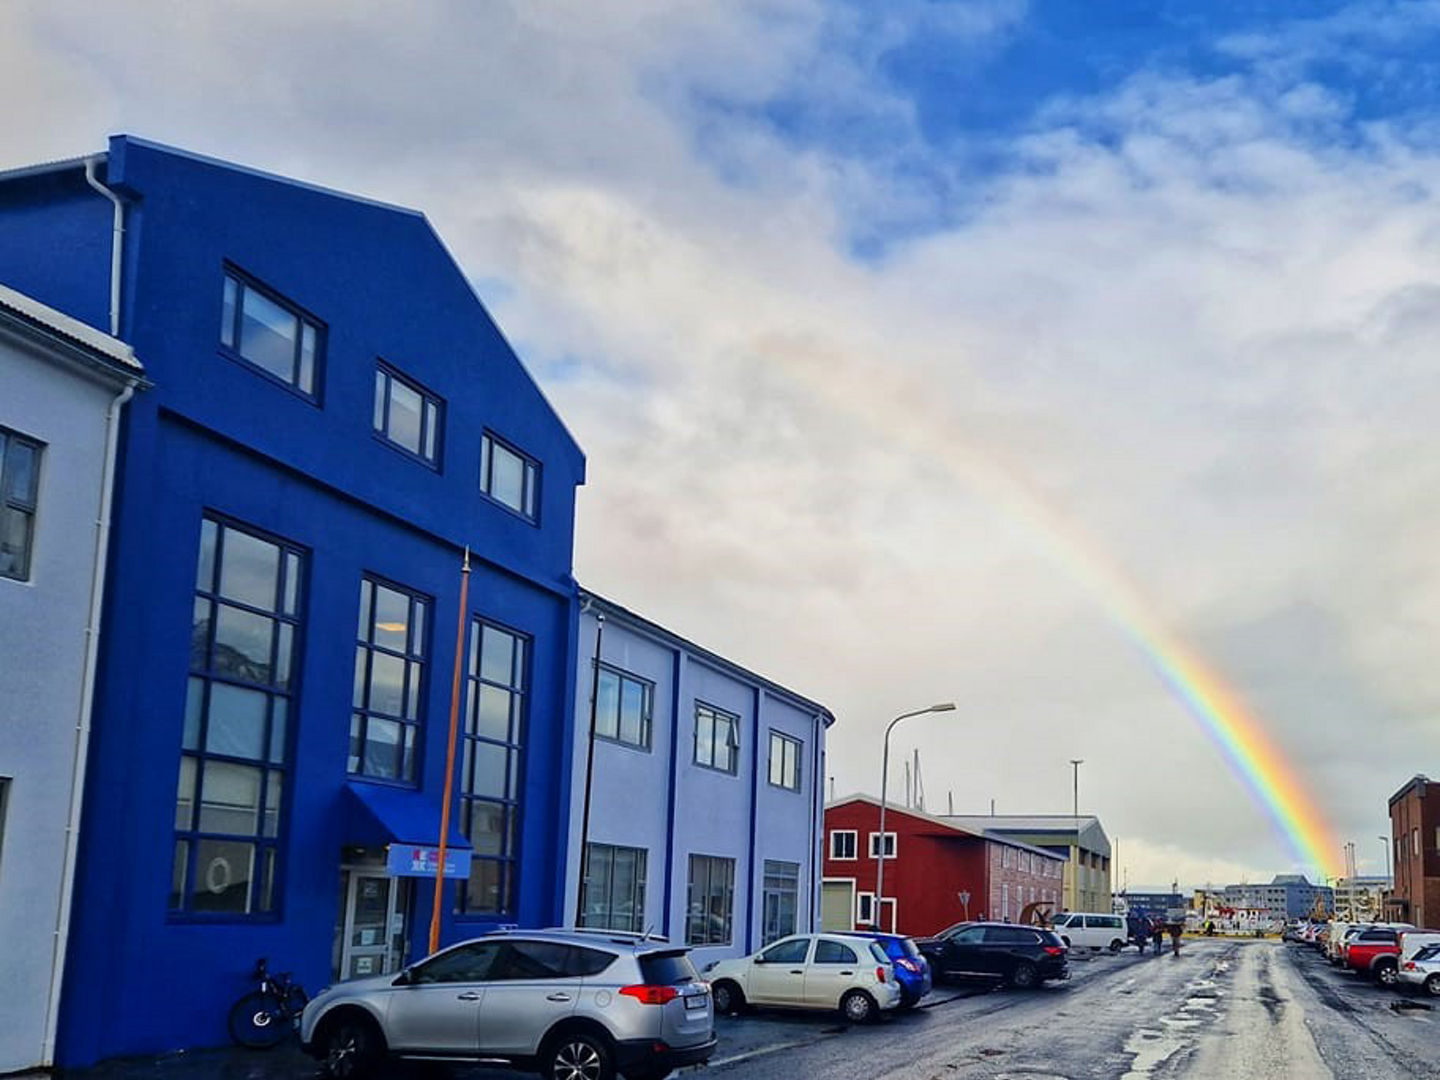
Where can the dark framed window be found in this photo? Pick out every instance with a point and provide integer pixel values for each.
(244, 648)
(711, 900)
(614, 887)
(623, 708)
(389, 697)
(785, 761)
(842, 844)
(780, 900)
(407, 415)
(260, 327)
(717, 738)
(19, 493)
(509, 476)
(496, 673)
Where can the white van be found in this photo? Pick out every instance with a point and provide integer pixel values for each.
(1091, 930)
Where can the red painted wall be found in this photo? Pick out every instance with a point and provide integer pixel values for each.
(932, 865)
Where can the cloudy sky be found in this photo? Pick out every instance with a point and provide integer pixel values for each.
(873, 317)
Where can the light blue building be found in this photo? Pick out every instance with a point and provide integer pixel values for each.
(705, 812)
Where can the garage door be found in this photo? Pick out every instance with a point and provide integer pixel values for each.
(837, 905)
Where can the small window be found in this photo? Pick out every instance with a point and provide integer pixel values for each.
(509, 477)
(784, 761)
(787, 952)
(865, 909)
(832, 952)
(842, 844)
(19, 491)
(717, 738)
(407, 415)
(623, 707)
(270, 334)
(889, 845)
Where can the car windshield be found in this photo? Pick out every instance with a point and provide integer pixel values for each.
(1429, 952)
(667, 968)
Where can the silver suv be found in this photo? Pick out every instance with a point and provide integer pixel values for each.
(571, 1005)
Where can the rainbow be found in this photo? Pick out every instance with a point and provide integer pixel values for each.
(1239, 736)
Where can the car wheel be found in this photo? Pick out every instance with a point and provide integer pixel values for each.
(1387, 974)
(1432, 986)
(727, 996)
(578, 1056)
(858, 1007)
(1024, 976)
(1116, 945)
(352, 1048)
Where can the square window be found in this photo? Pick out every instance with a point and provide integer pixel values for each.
(622, 708)
(842, 844)
(407, 416)
(269, 333)
(717, 738)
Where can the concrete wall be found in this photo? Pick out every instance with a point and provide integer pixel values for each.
(42, 649)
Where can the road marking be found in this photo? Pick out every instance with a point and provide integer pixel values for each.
(774, 1048)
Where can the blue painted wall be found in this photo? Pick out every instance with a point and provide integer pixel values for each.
(213, 435)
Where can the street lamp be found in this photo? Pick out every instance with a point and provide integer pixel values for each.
(944, 706)
(1385, 841)
(1075, 764)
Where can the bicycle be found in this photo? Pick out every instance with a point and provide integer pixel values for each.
(265, 1016)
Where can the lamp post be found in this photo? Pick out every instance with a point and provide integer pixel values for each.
(1385, 842)
(1075, 764)
(945, 706)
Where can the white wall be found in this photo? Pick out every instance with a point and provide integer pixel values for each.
(42, 643)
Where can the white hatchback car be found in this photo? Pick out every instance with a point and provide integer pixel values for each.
(809, 971)
(1422, 971)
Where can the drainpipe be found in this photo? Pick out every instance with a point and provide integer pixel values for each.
(117, 242)
(82, 724)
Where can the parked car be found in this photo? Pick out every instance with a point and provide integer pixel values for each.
(912, 970)
(1422, 970)
(1374, 951)
(1091, 930)
(810, 971)
(562, 1003)
(1022, 956)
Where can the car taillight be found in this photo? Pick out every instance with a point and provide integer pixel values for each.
(880, 974)
(908, 965)
(1055, 950)
(1408, 965)
(651, 995)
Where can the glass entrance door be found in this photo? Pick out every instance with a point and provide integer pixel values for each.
(374, 926)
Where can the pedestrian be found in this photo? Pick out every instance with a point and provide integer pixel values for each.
(1175, 929)
(1157, 932)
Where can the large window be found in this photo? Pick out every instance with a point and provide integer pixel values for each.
(717, 738)
(272, 334)
(407, 415)
(244, 644)
(782, 891)
(389, 682)
(622, 708)
(19, 490)
(614, 887)
(509, 477)
(490, 767)
(785, 761)
(711, 901)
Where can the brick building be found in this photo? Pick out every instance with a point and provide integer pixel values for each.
(1415, 834)
(937, 872)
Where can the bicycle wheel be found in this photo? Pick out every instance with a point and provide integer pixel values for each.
(259, 1020)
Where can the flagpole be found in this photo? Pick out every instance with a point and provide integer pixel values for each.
(450, 753)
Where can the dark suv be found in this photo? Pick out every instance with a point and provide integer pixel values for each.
(1022, 956)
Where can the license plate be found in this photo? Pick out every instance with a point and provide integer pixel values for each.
(695, 1001)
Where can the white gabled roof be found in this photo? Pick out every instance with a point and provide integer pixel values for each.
(101, 344)
(950, 823)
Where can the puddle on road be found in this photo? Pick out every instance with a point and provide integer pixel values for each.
(1151, 1049)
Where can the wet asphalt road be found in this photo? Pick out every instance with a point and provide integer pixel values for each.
(1223, 1010)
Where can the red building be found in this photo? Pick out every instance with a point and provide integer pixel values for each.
(936, 873)
(1415, 829)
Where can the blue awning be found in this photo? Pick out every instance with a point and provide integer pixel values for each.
(381, 815)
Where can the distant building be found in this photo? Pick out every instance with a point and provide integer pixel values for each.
(1081, 840)
(1415, 835)
(1152, 901)
(938, 871)
(1287, 896)
(705, 791)
(64, 387)
(1361, 898)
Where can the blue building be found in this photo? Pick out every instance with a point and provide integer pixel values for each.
(1288, 896)
(705, 810)
(334, 419)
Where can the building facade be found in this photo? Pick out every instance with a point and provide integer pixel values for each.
(1080, 840)
(1287, 896)
(704, 793)
(937, 872)
(1415, 838)
(1151, 902)
(64, 387)
(335, 419)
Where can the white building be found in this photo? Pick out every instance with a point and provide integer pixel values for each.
(705, 811)
(62, 388)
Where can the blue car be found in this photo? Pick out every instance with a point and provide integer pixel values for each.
(912, 970)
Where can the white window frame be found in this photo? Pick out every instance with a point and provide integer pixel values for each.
(892, 846)
(864, 908)
(854, 845)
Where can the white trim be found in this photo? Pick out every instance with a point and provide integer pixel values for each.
(855, 844)
(863, 917)
(892, 848)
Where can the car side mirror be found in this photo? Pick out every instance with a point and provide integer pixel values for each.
(760, 960)
(403, 979)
